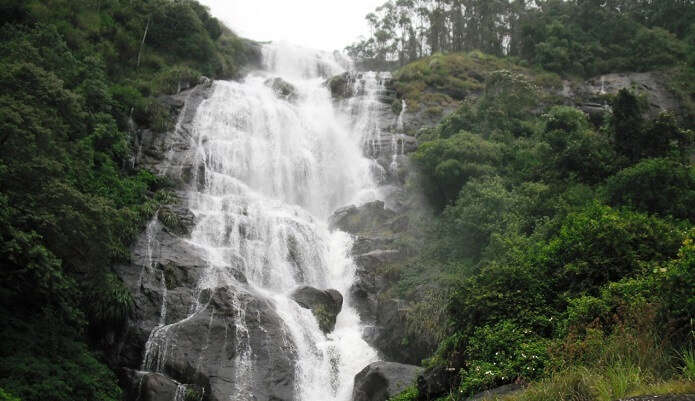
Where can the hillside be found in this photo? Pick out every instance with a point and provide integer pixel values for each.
(559, 256)
(506, 211)
(80, 80)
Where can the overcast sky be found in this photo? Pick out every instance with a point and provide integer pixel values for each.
(318, 24)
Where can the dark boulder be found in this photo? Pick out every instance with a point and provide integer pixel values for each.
(380, 381)
(147, 386)
(218, 348)
(342, 86)
(325, 305)
(282, 89)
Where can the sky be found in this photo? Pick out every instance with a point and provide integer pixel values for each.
(316, 24)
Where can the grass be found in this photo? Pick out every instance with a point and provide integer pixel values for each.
(582, 384)
(629, 362)
(688, 364)
(444, 80)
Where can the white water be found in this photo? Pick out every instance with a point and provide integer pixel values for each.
(274, 172)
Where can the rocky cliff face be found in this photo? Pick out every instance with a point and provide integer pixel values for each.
(181, 340)
(368, 95)
(590, 95)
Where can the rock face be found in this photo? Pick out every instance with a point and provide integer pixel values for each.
(167, 153)
(382, 380)
(152, 386)
(325, 305)
(223, 339)
(589, 96)
(375, 249)
(386, 141)
(367, 217)
(206, 348)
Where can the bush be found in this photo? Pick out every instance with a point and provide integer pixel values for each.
(174, 79)
(502, 354)
(660, 186)
(599, 245)
(575, 151)
(449, 163)
(484, 207)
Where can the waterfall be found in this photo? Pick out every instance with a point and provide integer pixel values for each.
(272, 171)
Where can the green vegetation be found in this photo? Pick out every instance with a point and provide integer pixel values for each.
(74, 75)
(568, 37)
(566, 247)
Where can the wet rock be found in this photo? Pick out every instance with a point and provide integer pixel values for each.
(367, 243)
(342, 86)
(590, 95)
(377, 258)
(177, 219)
(235, 345)
(325, 305)
(168, 153)
(390, 142)
(282, 89)
(380, 381)
(147, 386)
(367, 218)
(368, 282)
(161, 277)
(205, 81)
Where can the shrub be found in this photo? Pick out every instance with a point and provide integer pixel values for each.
(575, 150)
(661, 186)
(599, 245)
(502, 354)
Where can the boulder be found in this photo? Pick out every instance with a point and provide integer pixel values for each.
(325, 305)
(380, 381)
(369, 217)
(282, 89)
(235, 346)
(342, 86)
(152, 387)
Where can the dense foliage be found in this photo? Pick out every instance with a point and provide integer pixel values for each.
(569, 37)
(74, 77)
(564, 245)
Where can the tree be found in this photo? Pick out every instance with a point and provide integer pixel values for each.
(662, 186)
(575, 150)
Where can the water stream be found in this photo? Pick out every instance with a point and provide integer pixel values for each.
(274, 171)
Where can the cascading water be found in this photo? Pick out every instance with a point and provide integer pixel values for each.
(274, 171)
